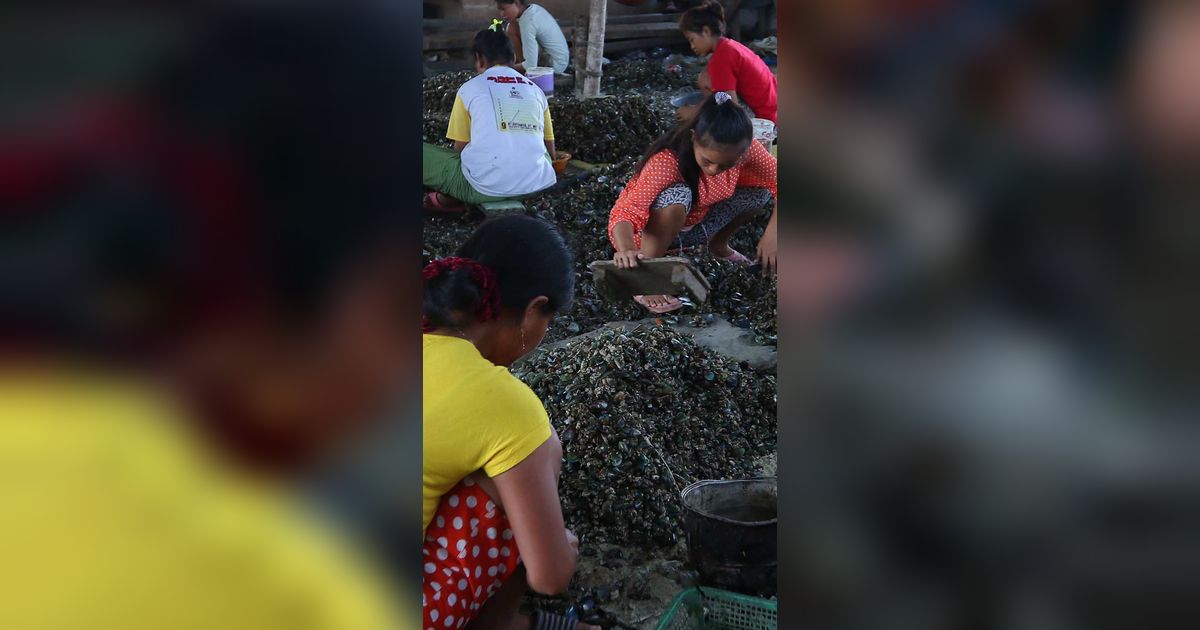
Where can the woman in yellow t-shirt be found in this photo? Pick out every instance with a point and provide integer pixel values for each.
(178, 358)
(491, 458)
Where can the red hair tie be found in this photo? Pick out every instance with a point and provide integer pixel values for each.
(488, 307)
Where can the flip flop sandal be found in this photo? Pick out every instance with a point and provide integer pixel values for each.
(550, 621)
(737, 257)
(659, 310)
(431, 201)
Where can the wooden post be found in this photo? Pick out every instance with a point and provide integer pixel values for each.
(595, 48)
(580, 53)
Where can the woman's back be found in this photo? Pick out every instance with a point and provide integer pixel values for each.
(476, 416)
(735, 68)
(119, 519)
(544, 37)
(508, 117)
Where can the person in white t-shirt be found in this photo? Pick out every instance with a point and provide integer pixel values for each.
(535, 35)
(502, 133)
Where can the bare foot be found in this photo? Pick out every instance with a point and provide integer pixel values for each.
(658, 304)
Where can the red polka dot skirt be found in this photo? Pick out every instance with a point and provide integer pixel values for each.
(468, 552)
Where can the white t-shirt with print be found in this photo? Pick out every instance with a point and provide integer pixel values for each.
(506, 153)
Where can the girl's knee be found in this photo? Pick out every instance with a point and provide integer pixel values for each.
(676, 194)
(669, 214)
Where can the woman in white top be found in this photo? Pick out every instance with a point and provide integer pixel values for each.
(502, 133)
(535, 34)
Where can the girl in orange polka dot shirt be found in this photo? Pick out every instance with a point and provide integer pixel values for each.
(696, 186)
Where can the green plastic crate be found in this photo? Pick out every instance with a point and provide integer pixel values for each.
(714, 609)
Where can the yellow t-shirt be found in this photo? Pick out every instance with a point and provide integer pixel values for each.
(115, 518)
(459, 129)
(476, 416)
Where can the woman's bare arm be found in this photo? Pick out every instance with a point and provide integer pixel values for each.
(529, 495)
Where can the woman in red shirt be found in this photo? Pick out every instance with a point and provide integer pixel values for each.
(696, 185)
(733, 67)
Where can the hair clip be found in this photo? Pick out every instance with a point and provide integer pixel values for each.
(495, 23)
(721, 98)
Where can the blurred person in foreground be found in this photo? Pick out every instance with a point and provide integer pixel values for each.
(492, 520)
(994, 451)
(202, 303)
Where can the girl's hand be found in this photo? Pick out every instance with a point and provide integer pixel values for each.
(768, 251)
(628, 259)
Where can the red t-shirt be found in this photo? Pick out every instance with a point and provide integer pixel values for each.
(735, 68)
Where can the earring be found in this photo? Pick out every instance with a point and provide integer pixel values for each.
(523, 350)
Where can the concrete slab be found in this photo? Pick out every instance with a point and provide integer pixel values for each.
(733, 342)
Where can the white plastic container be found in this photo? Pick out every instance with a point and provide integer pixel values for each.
(764, 132)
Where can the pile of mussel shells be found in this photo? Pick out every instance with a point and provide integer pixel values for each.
(610, 129)
(580, 212)
(641, 73)
(434, 127)
(439, 90)
(642, 413)
(746, 298)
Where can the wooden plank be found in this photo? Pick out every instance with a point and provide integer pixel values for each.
(462, 43)
(641, 18)
(597, 17)
(454, 24)
(655, 276)
(565, 23)
(450, 40)
(637, 44)
(640, 30)
(587, 166)
(446, 41)
(460, 39)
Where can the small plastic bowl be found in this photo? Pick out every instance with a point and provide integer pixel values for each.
(687, 98)
(560, 164)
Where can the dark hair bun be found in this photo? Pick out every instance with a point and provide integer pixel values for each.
(494, 46)
(723, 120)
(713, 7)
(710, 14)
(529, 259)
